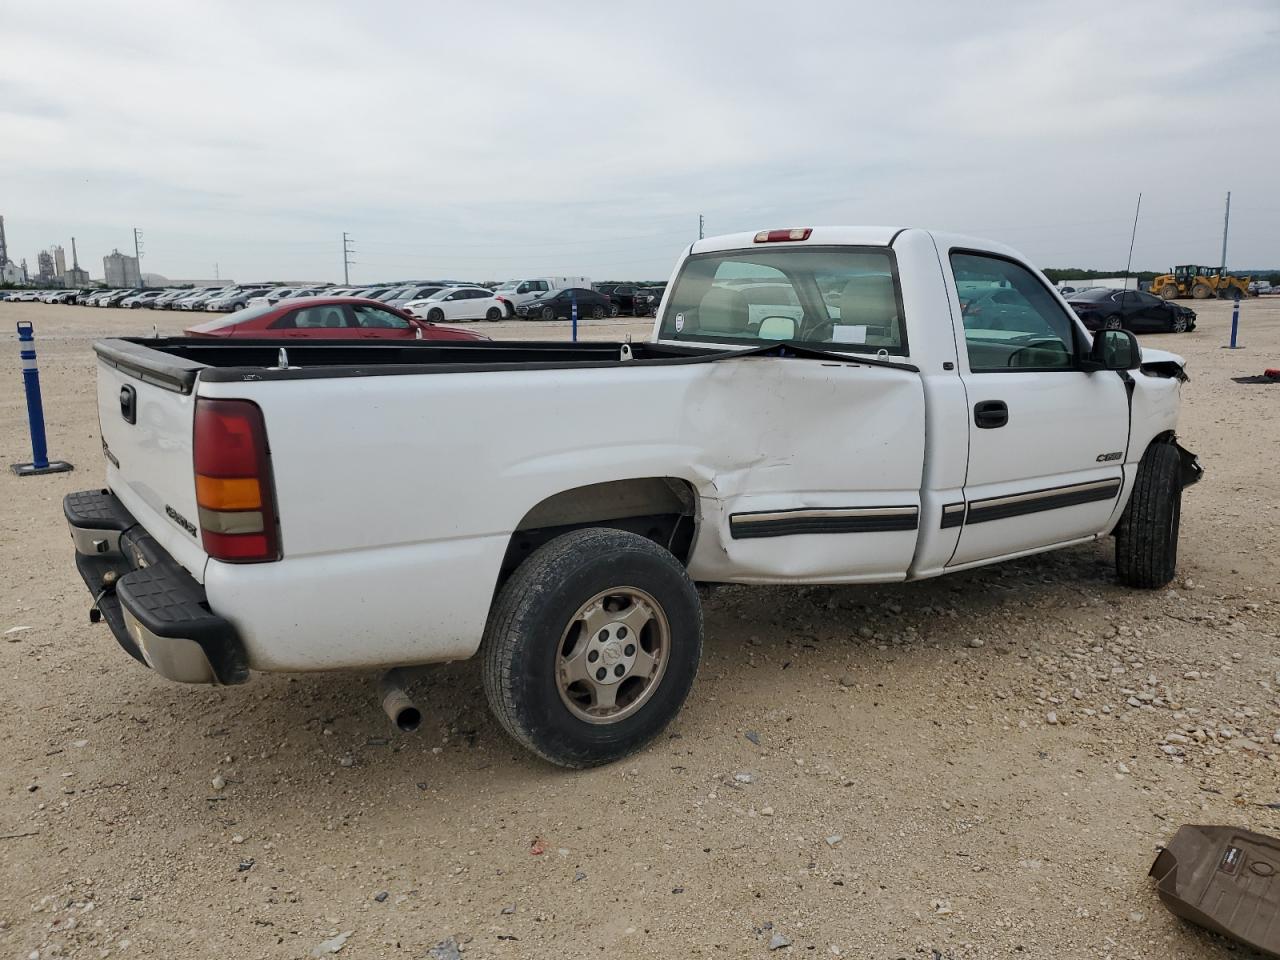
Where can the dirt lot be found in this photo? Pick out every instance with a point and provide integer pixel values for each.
(977, 766)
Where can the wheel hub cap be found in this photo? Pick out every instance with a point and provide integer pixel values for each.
(612, 655)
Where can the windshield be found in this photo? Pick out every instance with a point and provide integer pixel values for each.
(843, 298)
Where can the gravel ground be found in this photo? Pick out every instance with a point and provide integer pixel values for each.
(976, 766)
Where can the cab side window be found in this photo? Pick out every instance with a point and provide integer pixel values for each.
(1011, 320)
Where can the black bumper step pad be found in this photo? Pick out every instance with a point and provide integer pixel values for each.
(96, 510)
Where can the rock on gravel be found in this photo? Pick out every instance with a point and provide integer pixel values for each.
(446, 949)
(332, 945)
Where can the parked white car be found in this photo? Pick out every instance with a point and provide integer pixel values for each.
(891, 436)
(458, 303)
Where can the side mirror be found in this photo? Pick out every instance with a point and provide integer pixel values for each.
(1114, 350)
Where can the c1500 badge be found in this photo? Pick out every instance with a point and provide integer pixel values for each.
(1108, 457)
(180, 520)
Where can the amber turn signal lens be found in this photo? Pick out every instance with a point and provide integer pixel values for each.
(228, 493)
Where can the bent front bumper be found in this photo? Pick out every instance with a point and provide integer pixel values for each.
(155, 608)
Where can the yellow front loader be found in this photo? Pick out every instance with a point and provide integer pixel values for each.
(1200, 283)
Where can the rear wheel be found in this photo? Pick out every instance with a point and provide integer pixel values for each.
(592, 646)
(1112, 323)
(493, 314)
(1202, 291)
(1169, 291)
(597, 312)
(613, 310)
(1147, 534)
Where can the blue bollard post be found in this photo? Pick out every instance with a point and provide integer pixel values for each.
(1235, 322)
(40, 462)
(573, 314)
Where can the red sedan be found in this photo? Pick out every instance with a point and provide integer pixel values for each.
(328, 318)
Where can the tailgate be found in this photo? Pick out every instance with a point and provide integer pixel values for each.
(146, 410)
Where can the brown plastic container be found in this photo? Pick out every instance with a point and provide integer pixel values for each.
(1226, 880)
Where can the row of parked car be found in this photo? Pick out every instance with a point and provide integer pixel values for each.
(541, 298)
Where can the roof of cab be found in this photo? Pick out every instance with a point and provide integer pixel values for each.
(855, 236)
(845, 236)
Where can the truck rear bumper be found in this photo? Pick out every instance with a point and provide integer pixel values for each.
(155, 608)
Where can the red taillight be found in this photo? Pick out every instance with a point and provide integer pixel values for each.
(783, 236)
(234, 489)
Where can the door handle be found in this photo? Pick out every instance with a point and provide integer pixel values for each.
(129, 404)
(989, 414)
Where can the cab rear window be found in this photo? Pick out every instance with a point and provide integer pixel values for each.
(834, 298)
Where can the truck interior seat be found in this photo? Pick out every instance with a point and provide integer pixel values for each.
(724, 311)
(870, 301)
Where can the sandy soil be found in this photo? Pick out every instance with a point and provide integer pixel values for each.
(977, 766)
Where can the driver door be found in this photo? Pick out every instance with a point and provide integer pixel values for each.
(1047, 440)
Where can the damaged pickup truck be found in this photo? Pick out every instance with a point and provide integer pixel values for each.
(832, 405)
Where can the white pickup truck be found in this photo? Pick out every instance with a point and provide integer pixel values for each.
(832, 405)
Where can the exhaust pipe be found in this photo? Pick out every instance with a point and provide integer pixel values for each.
(399, 708)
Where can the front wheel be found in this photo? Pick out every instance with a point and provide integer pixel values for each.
(1179, 324)
(548, 313)
(435, 315)
(493, 314)
(592, 646)
(1112, 323)
(597, 312)
(1147, 534)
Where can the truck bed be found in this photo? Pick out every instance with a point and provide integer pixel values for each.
(175, 362)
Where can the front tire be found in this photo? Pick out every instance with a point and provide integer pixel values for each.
(1113, 323)
(597, 312)
(1147, 534)
(435, 315)
(548, 313)
(1179, 325)
(592, 646)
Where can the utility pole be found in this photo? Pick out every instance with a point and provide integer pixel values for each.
(216, 275)
(700, 225)
(137, 253)
(346, 259)
(1226, 221)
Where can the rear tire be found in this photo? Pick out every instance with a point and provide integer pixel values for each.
(1147, 534)
(493, 314)
(597, 312)
(1113, 323)
(1169, 291)
(533, 634)
(1201, 291)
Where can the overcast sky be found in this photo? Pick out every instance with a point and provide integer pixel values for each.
(485, 141)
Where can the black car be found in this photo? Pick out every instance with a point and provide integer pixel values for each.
(647, 300)
(559, 305)
(1105, 309)
(623, 294)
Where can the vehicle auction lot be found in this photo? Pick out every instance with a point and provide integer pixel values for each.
(976, 766)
